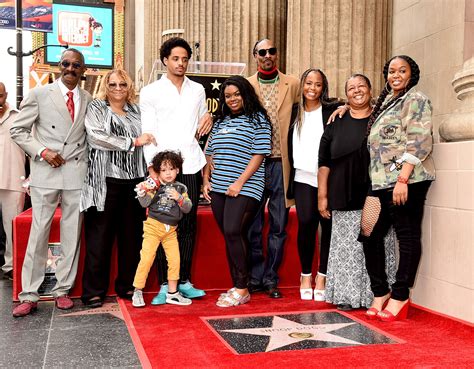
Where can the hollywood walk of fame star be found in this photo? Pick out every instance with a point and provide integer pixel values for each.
(111, 308)
(52, 261)
(215, 85)
(285, 332)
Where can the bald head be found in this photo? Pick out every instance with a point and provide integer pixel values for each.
(3, 99)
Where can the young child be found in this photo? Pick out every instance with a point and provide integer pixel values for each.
(166, 201)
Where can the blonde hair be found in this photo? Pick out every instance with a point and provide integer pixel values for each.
(104, 85)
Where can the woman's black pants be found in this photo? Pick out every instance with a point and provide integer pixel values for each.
(234, 216)
(306, 199)
(121, 221)
(406, 220)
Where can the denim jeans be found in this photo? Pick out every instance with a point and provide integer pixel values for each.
(266, 272)
(406, 220)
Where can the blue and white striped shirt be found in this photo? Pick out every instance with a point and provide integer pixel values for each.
(232, 144)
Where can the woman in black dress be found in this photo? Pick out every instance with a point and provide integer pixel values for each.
(343, 179)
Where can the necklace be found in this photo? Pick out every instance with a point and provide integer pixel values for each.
(268, 96)
(357, 114)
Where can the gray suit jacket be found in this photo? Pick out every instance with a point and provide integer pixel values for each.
(44, 121)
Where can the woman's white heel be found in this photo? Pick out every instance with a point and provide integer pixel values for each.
(305, 293)
(319, 295)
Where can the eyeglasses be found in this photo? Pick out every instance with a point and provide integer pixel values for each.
(113, 85)
(271, 51)
(75, 65)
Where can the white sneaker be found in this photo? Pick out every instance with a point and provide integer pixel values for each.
(137, 299)
(177, 299)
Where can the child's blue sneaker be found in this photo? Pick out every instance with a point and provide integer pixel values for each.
(189, 291)
(160, 299)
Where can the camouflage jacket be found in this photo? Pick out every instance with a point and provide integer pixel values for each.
(402, 133)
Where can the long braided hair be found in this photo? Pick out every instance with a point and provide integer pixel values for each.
(379, 105)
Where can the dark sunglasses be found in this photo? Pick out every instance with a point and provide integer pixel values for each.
(113, 85)
(271, 51)
(66, 64)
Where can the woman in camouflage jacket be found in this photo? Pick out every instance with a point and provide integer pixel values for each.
(401, 170)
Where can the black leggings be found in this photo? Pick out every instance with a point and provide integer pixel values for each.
(406, 220)
(306, 198)
(234, 216)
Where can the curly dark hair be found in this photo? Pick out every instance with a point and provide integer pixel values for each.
(250, 100)
(173, 158)
(168, 45)
(379, 105)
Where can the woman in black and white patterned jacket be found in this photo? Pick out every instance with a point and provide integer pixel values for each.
(116, 165)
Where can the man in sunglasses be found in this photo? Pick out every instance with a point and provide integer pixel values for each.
(50, 129)
(278, 93)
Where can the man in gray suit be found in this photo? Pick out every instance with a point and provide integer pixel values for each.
(50, 129)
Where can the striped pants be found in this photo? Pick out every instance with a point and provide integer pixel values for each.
(186, 232)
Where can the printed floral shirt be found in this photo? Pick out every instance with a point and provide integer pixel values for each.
(402, 133)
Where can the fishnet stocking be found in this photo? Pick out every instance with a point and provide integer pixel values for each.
(370, 215)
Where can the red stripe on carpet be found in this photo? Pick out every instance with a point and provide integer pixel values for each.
(134, 335)
(177, 337)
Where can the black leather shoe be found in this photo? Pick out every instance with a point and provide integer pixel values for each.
(255, 288)
(94, 302)
(344, 307)
(8, 275)
(273, 292)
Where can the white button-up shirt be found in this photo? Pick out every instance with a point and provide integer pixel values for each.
(76, 97)
(173, 117)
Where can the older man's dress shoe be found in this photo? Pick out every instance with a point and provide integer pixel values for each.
(64, 302)
(273, 292)
(25, 308)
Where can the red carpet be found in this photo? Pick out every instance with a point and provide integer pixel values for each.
(169, 336)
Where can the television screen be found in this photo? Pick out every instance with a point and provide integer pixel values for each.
(37, 15)
(86, 28)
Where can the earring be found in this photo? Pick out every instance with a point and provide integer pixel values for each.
(387, 87)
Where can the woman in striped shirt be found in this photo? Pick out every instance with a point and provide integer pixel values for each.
(239, 141)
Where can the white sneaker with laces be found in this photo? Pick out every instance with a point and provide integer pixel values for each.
(137, 299)
(177, 299)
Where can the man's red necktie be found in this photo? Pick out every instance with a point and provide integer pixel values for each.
(70, 104)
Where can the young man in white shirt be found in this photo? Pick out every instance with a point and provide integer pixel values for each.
(174, 110)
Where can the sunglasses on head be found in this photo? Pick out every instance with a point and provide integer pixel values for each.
(271, 51)
(113, 85)
(75, 65)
